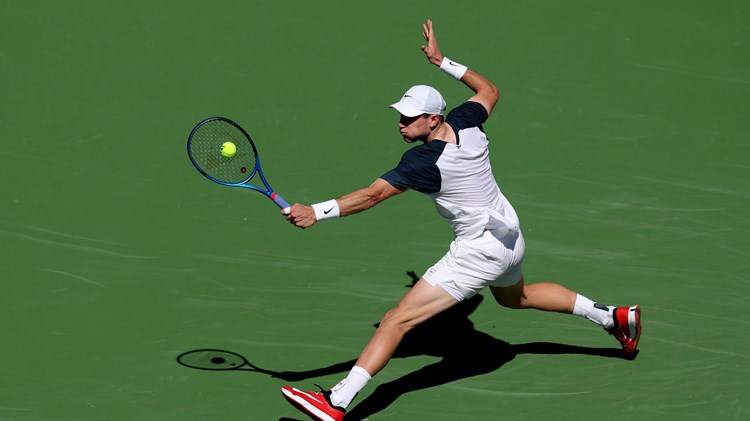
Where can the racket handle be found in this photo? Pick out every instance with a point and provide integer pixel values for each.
(280, 202)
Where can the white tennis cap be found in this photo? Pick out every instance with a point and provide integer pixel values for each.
(420, 99)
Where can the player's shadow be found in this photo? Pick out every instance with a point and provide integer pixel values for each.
(463, 351)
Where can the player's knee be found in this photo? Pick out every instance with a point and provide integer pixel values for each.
(510, 302)
(511, 297)
(395, 319)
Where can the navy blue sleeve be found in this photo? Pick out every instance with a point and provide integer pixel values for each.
(469, 114)
(418, 169)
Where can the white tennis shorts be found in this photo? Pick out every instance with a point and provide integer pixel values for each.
(471, 265)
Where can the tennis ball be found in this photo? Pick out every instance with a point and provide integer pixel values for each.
(228, 149)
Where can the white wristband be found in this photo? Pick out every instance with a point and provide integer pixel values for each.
(454, 69)
(326, 210)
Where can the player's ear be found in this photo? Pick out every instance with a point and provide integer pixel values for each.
(435, 120)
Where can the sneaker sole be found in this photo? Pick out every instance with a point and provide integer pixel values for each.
(301, 404)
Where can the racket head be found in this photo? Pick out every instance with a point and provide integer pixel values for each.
(214, 360)
(204, 148)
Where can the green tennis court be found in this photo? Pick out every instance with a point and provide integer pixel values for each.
(621, 138)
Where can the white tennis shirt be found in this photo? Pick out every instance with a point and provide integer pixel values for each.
(458, 177)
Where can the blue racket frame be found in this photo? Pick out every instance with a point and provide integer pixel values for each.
(268, 192)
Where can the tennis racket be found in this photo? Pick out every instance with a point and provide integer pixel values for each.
(237, 169)
(217, 360)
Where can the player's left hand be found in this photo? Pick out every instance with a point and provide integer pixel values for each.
(431, 50)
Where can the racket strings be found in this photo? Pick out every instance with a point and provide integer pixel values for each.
(205, 148)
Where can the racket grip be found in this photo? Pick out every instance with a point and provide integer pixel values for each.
(280, 202)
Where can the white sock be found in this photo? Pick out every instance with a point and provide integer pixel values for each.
(597, 313)
(344, 392)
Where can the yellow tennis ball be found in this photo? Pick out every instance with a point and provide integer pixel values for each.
(228, 149)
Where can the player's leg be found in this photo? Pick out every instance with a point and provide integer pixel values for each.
(624, 323)
(419, 304)
(544, 296)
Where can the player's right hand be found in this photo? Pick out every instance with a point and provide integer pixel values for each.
(300, 215)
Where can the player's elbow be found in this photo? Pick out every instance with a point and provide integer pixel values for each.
(378, 195)
(363, 200)
(373, 198)
(381, 190)
(487, 96)
(493, 94)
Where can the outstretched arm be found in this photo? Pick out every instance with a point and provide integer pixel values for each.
(357, 201)
(486, 92)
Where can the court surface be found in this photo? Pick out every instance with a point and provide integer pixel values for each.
(621, 138)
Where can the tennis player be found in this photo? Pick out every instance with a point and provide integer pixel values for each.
(451, 165)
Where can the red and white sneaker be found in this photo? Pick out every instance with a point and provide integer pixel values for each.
(315, 404)
(627, 328)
